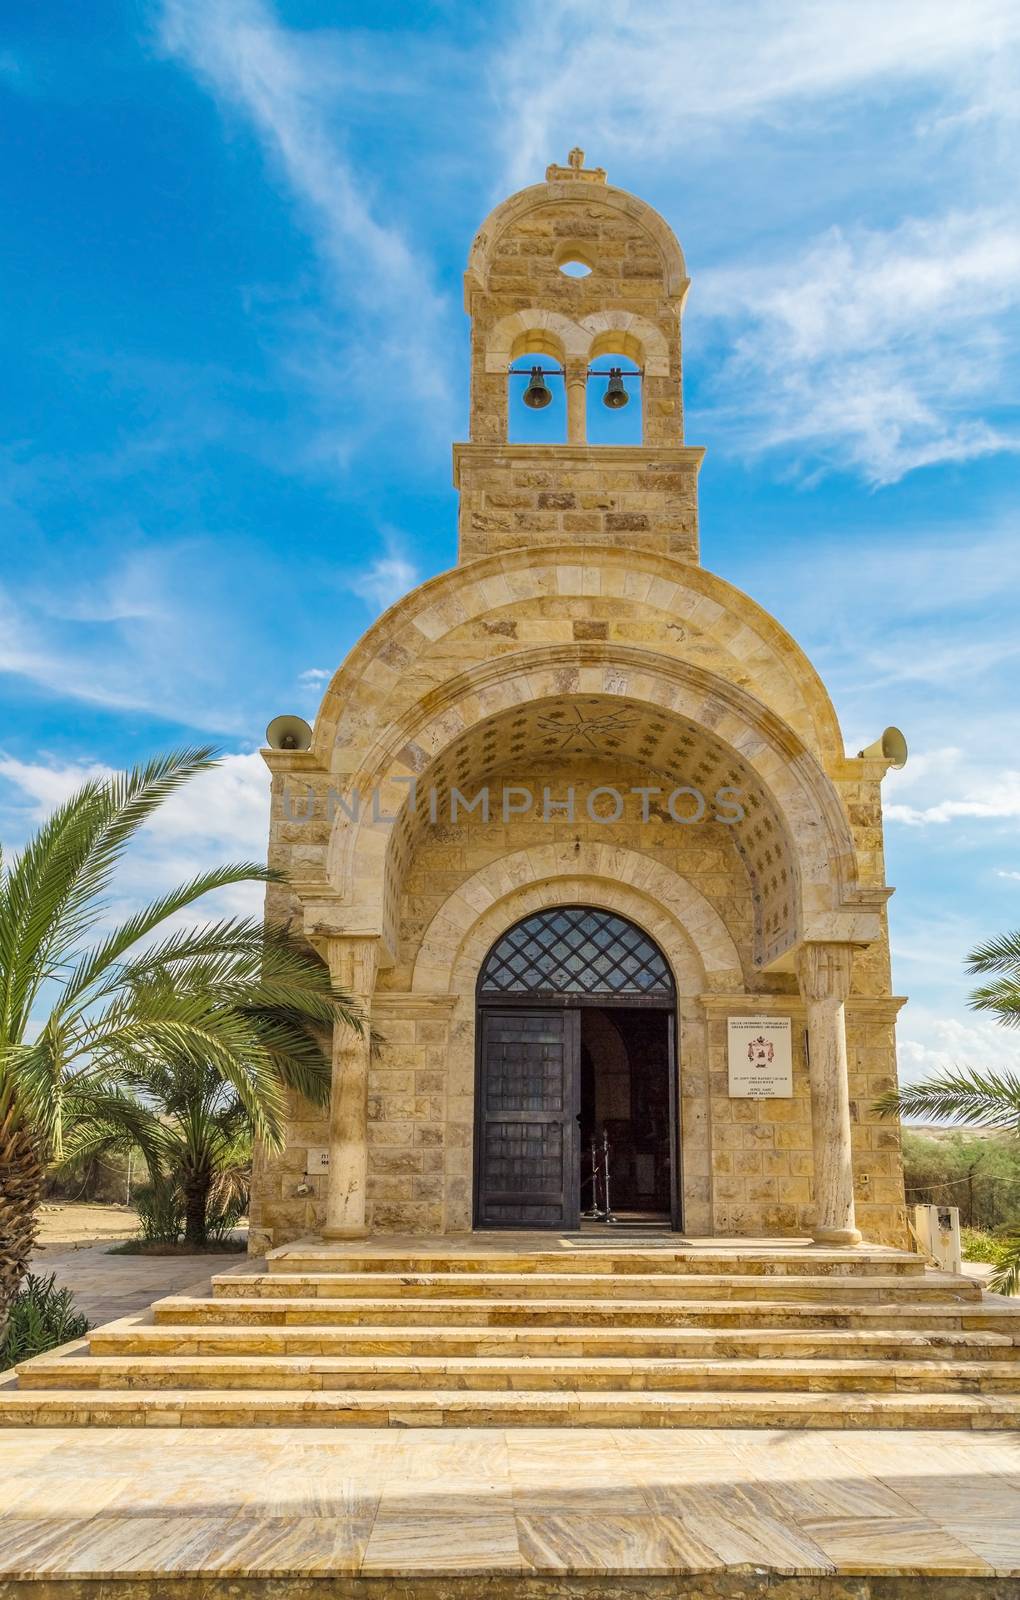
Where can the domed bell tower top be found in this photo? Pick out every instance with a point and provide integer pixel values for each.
(522, 304)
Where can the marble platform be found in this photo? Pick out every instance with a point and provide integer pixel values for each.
(118, 1515)
(539, 1330)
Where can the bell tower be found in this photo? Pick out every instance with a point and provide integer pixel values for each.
(524, 300)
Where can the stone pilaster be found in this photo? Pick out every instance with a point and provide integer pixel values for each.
(352, 964)
(823, 972)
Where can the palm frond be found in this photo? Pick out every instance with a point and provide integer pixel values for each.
(183, 946)
(1005, 1279)
(51, 894)
(1001, 997)
(976, 1099)
(1001, 954)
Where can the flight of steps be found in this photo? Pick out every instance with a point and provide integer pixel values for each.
(536, 1334)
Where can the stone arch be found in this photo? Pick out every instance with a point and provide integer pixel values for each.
(366, 856)
(660, 892)
(545, 332)
(624, 332)
(513, 210)
(640, 906)
(378, 674)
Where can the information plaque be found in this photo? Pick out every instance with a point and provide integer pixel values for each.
(760, 1058)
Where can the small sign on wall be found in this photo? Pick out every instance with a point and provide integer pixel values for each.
(316, 1161)
(760, 1058)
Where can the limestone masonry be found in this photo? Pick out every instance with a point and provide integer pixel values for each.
(579, 645)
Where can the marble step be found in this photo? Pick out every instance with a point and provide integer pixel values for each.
(382, 1408)
(582, 1286)
(813, 1261)
(516, 1373)
(875, 1344)
(572, 1313)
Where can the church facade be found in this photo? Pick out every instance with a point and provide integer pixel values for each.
(578, 830)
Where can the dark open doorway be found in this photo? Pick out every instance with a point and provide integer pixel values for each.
(626, 1112)
(576, 1041)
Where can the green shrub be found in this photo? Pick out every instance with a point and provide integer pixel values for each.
(221, 1222)
(981, 1246)
(160, 1213)
(41, 1317)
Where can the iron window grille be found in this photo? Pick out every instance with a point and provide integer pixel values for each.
(575, 950)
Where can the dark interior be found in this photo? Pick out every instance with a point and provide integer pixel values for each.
(625, 1094)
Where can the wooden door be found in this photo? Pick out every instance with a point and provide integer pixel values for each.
(526, 1138)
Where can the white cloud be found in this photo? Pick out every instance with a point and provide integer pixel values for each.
(291, 86)
(388, 578)
(220, 816)
(986, 795)
(929, 1043)
(876, 350)
(1014, 877)
(313, 675)
(639, 66)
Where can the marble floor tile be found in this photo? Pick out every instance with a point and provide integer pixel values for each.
(858, 1544)
(550, 1494)
(994, 1539)
(760, 1541)
(690, 1501)
(606, 1543)
(279, 1547)
(109, 1545)
(313, 1493)
(450, 1456)
(963, 1496)
(406, 1545)
(30, 1496)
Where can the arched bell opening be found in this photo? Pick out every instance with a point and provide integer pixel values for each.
(576, 1098)
(537, 394)
(614, 399)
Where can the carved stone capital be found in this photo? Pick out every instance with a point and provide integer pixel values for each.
(824, 971)
(353, 962)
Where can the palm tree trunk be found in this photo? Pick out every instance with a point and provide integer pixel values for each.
(196, 1184)
(22, 1177)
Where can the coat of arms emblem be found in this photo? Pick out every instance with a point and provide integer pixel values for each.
(760, 1051)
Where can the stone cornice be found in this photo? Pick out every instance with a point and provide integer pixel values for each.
(391, 1003)
(880, 1008)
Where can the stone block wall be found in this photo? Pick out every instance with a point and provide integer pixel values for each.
(518, 494)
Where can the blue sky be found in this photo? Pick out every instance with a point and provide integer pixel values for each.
(235, 234)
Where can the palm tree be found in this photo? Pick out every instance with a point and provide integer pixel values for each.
(194, 1121)
(78, 1018)
(979, 1099)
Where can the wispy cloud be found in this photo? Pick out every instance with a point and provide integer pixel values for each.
(146, 633)
(290, 86)
(879, 351)
(995, 799)
(685, 71)
(383, 583)
(879, 346)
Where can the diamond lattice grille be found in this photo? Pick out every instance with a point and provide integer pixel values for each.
(574, 950)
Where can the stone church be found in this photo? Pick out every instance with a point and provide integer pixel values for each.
(577, 828)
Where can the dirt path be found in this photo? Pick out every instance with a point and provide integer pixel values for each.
(64, 1224)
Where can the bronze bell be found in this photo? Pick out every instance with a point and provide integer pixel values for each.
(615, 395)
(537, 395)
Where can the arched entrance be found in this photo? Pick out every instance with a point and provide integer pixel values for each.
(576, 1034)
